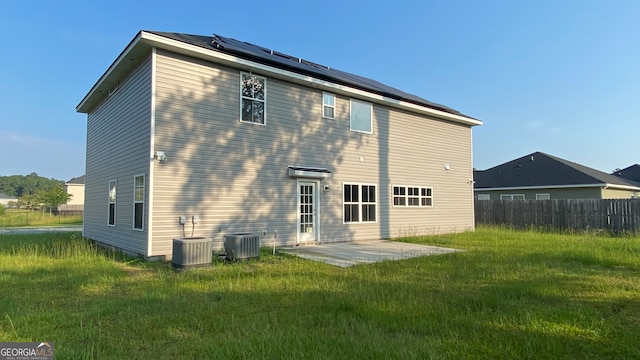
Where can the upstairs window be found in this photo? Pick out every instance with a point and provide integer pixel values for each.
(328, 105)
(360, 117)
(253, 98)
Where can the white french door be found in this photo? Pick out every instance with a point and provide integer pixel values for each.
(307, 211)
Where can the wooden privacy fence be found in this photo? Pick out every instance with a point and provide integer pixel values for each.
(613, 215)
(67, 210)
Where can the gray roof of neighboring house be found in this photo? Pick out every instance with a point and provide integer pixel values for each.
(539, 170)
(4, 196)
(80, 180)
(630, 173)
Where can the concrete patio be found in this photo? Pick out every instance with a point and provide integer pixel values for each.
(345, 254)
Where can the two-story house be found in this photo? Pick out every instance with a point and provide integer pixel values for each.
(247, 139)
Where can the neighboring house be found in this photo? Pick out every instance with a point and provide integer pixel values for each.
(250, 140)
(75, 188)
(6, 199)
(539, 176)
(630, 173)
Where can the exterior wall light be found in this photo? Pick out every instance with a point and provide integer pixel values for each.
(160, 156)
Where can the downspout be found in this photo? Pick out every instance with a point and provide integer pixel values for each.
(472, 182)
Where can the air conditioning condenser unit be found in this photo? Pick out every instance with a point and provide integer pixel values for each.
(191, 252)
(242, 246)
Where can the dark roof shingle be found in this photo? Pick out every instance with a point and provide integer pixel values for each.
(540, 169)
(630, 173)
(279, 60)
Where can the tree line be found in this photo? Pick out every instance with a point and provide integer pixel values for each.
(19, 185)
(34, 191)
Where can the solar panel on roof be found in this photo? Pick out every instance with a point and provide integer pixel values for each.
(277, 59)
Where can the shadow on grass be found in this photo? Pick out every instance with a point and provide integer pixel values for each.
(95, 304)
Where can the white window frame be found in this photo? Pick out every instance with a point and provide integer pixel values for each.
(352, 115)
(326, 105)
(512, 197)
(484, 197)
(360, 203)
(137, 201)
(112, 198)
(405, 196)
(543, 197)
(253, 99)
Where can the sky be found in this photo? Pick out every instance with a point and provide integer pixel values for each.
(557, 76)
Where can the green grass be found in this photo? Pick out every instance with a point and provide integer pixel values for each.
(511, 295)
(17, 218)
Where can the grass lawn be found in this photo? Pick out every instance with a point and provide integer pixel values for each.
(511, 295)
(17, 218)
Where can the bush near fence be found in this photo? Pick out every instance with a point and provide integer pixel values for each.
(611, 215)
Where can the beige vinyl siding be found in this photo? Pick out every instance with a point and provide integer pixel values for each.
(609, 193)
(118, 140)
(234, 174)
(431, 153)
(77, 194)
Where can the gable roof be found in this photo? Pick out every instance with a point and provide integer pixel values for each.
(80, 180)
(540, 170)
(630, 173)
(251, 57)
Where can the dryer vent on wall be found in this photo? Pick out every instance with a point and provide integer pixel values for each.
(242, 246)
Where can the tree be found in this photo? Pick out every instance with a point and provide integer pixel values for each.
(53, 197)
(27, 201)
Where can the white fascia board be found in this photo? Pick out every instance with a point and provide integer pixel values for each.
(234, 61)
(622, 187)
(115, 65)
